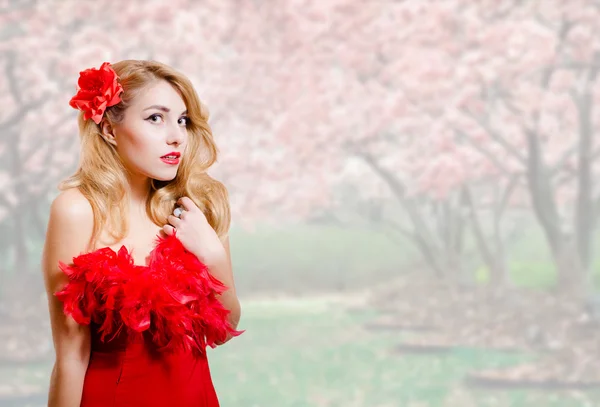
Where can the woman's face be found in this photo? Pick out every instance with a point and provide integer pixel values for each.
(154, 126)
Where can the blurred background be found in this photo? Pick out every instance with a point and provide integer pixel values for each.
(414, 187)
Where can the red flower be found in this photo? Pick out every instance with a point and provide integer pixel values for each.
(97, 89)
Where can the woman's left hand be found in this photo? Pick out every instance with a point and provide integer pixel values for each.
(195, 233)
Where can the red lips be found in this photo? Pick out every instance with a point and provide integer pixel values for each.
(174, 154)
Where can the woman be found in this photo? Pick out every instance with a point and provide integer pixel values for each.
(136, 260)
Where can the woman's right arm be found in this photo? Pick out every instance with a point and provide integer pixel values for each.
(68, 232)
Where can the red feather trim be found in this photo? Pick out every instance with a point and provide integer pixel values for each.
(174, 298)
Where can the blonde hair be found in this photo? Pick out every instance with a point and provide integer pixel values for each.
(101, 176)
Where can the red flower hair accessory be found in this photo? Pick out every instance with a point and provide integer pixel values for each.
(97, 89)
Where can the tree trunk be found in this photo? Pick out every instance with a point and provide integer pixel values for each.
(585, 215)
(569, 271)
(492, 255)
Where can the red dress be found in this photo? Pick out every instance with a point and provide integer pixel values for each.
(150, 326)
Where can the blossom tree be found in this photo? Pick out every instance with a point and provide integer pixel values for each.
(342, 97)
(438, 100)
(461, 93)
(534, 97)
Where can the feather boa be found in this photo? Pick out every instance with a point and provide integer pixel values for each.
(174, 298)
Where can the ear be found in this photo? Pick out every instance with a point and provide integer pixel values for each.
(108, 132)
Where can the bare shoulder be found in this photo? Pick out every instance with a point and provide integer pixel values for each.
(69, 230)
(71, 219)
(72, 204)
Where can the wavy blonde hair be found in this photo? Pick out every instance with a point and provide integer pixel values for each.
(101, 176)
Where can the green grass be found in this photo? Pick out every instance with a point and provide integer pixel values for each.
(307, 353)
(530, 263)
(312, 353)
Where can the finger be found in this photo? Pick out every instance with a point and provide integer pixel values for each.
(174, 220)
(187, 203)
(168, 229)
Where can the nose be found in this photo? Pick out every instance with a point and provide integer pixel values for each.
(176, 134)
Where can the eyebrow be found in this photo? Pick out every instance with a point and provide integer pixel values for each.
(163, 108)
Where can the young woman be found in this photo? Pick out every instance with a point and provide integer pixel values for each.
(136, 260)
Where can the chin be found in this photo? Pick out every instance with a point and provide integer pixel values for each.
(165, 176)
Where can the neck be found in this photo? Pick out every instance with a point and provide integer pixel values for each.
(139, 189)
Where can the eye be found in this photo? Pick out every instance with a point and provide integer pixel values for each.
(153, 118)
(184, 120)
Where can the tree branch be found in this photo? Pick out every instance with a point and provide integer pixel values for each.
(422, 232)
(498, 138)
(489, 155)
